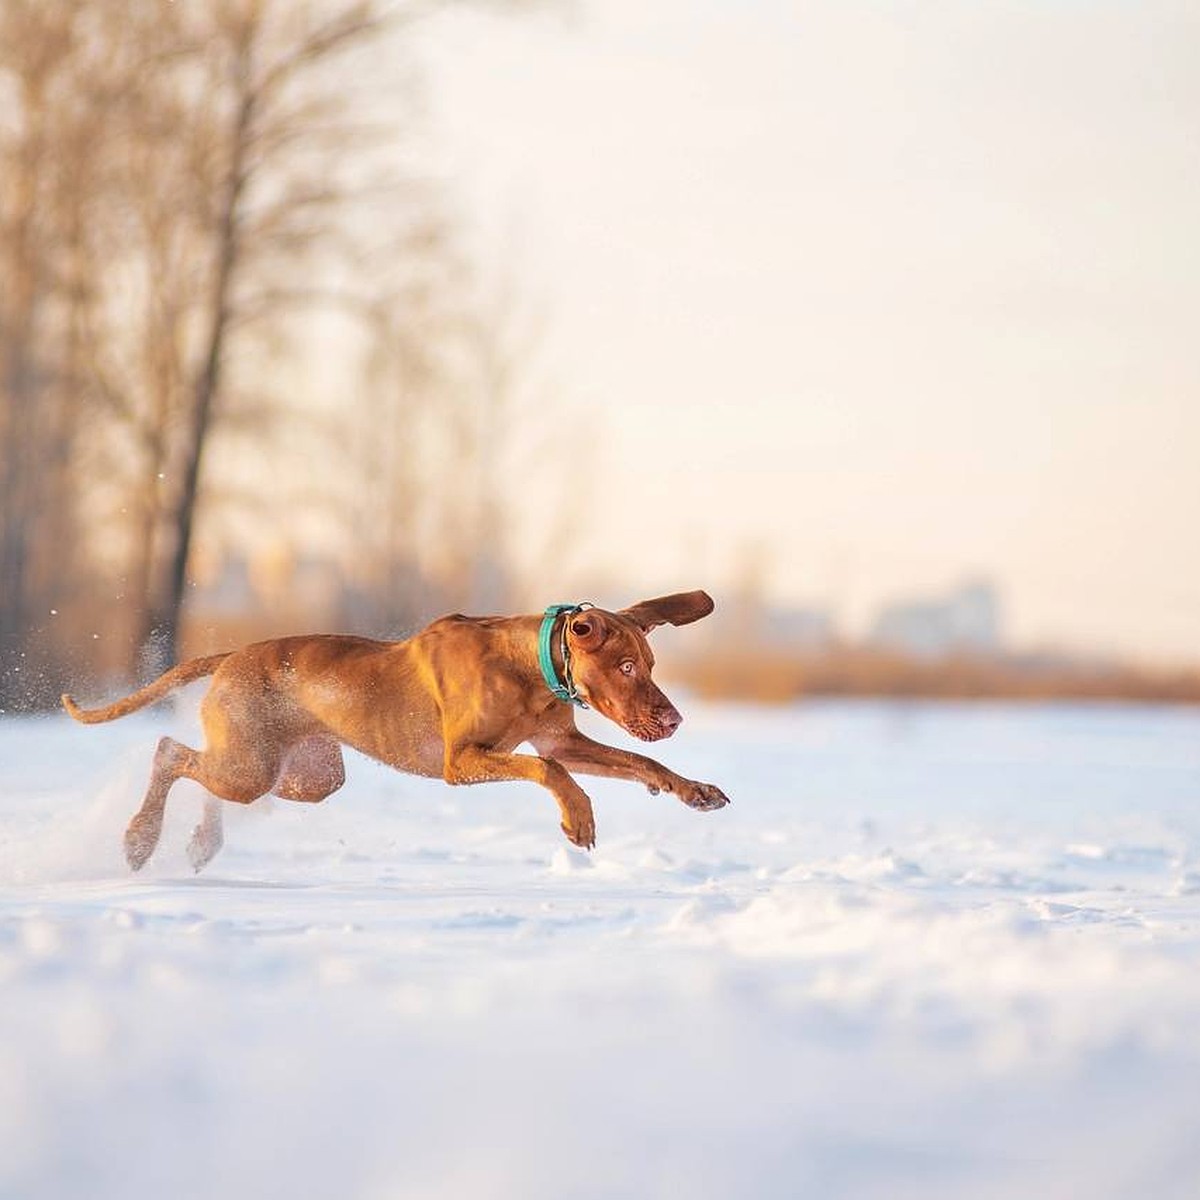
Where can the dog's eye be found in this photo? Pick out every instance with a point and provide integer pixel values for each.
(627, 667)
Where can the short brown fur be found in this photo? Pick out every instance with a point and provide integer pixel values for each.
(454, 701)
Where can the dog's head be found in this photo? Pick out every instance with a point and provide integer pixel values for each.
(611, 661)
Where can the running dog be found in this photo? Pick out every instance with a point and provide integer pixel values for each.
(454, 701)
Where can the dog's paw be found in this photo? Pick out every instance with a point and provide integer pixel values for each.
(203, 846)
(580, 838)
(579, 824)
(582, 835)
(141, 837)
(704, 797)
(578, 820)
(208, 837)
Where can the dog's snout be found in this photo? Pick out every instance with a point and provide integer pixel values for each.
(670, 719)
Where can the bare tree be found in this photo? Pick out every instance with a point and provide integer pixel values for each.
(46, 158)
(175, 188)
(461, 457)
(232, 164)
(396, 504)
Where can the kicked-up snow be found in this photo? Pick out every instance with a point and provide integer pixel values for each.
(929, 951)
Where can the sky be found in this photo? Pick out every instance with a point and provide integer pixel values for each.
(875, 295)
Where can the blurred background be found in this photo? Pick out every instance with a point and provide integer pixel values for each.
(879, 321)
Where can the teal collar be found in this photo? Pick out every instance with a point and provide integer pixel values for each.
(563, 688)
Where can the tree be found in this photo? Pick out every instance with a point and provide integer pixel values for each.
(47, 159)
(463, 489)
(233, 173)
(177, 187)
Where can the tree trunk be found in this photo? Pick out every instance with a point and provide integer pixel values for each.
(20, 453)
(161, 646)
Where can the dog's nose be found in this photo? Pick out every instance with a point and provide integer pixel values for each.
(670, 719)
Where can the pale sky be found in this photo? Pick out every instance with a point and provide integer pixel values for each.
(894, 292)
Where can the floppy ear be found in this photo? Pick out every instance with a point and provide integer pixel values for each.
(682, 608)
(588, 629)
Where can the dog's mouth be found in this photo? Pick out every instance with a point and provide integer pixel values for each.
(647, 724)
(649, 735)
(652, 729)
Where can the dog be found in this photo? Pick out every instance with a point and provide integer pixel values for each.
(453, 701)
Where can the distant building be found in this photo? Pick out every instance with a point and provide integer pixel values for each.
(797, 628)
(967, 621)
(748, 623)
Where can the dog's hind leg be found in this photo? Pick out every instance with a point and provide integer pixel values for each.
(208, 837)
(171, 760)
(241, 770)
(312, 769)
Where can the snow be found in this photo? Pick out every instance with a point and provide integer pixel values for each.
(929, 951)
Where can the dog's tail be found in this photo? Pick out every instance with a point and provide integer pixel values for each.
(195, 668)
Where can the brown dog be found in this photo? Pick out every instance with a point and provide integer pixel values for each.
(454, 701)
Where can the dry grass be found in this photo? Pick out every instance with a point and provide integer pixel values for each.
(857, 671)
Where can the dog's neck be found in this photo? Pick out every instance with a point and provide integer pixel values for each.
(554, 653)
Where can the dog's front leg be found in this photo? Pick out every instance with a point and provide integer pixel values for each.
(578, 752)
(475, 764)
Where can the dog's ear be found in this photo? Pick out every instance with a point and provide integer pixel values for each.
(682, 608)
(588, 629)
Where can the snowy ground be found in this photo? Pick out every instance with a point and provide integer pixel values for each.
(930, 951)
